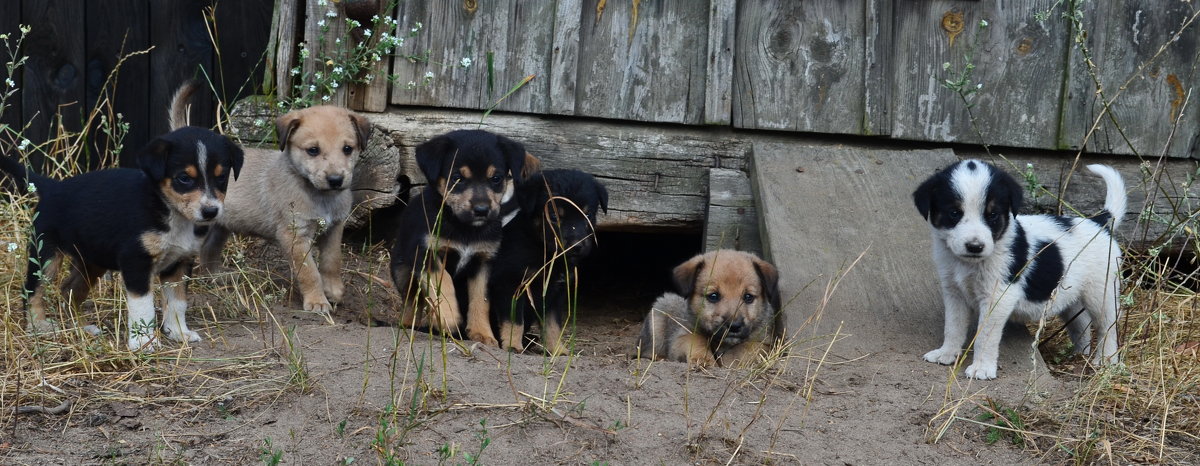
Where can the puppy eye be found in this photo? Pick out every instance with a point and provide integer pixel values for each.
(313, 151)
(748, 298)
(184, 179)
(714, 297)
(455, 178)
(496, 179)
(347, 150)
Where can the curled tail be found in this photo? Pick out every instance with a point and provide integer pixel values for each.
(1114, 200)
(178, 113)
(16, 171)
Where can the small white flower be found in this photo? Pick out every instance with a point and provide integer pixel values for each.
(9, 82)
(983, 23)
(281, 105)
(24, 143)
(312, 88)
(331, 13)
(337, 70)
(295, 71)
(1028, 166)
(376, 57)
(321, 23)
(979, 86)
(25, 29)
(945, 66)
(12, 247)
(3, 36)
(411, 85)
(317, 75)
(325, 98)
(333, 84)
(366, 32)
(418, 26)
(338, 40)
(375, 19)
(260, 122)
(368, 78)
(428, 75)
(31, 188)
(322, 2)
(466, 62)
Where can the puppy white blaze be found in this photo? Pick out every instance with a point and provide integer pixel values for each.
(207, 199)
(509, 190)
(970, 181)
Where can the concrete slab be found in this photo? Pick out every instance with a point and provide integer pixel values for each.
(823, 206)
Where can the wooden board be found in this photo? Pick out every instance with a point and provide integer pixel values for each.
(718, 88)
(516, 38)
(732, 218)
(242, 42)
(657, 176)
(643, 61)
(564, 64)
(373, 96)
(878, 68)
(1018, 61)
(119, 28)
(1123, 37)
(324, 42)
(54, 74)
(800, 66)
(181, 50)
(283, 47)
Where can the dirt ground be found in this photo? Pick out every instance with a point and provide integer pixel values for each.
(293, 386)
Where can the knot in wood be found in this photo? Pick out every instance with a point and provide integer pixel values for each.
(952, 23)
(470, 5)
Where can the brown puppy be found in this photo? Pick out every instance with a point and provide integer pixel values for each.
(298, 195)
(727, 311)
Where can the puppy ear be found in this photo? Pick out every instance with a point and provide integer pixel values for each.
(236, 156)
(1010, 191)
(431, 155)
(768, 275)
(603, 193)
(533, 166)
(923, 196)
(514, 155)
(362, 129)
(285, 125)
(153, 158)
(685, 276)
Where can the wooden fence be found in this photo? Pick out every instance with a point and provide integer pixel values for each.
(75, 45)
(1042, 70)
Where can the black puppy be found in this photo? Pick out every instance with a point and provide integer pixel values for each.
(450, 232)
(533, 272)
(141, 222)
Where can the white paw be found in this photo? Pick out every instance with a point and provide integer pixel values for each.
(942, 356)
(981, 371)
(1099, 360)
(181, 335)
(334, 290)
(320, 306)
(42, 326)
(141, 342)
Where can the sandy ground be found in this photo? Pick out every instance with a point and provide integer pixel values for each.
(372, 394)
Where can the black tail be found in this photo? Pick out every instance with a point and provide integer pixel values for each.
(16, 171)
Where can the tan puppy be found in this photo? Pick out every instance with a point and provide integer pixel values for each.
(727, 312)
(299, 196)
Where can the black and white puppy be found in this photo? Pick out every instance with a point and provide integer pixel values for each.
(1001, 265)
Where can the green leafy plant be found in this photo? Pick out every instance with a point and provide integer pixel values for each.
(1008, 424)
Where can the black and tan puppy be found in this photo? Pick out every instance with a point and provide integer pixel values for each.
(450, 232)
(727, 311)
(536, 265)
(298, 195)
(143, 222)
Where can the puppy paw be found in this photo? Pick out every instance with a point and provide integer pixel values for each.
(981, 371)
(142, 342)
(42, 326)
(942, 356)
(318, 305)
(181, 335)
(702, 358)
(334, 290)
(485, 339)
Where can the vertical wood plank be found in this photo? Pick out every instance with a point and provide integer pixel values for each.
(373, 96)
(1018, 62)
(54, 74)
(718, 93)
(517, 36)
(285, 46)
(643, 61)
(10, 20)
(731, 220)
(564, 65)
(1121, 37)
(323, 43)
(242, 39)
(181, 50)
(114, 29)
(800, 66)
(877, 95)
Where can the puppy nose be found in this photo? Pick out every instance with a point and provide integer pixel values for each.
(209, 212)
(974, 247)
(737, 326)
(480, 210)
(335, 181)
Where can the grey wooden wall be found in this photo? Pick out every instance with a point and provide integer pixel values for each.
(869, 67)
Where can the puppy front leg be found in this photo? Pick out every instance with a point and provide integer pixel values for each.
(993, 314)
(135, 271)
(693, 349)
(744, 354)
(175, 310)
(1102, 303)
(210, 251)
(479, 326)
(330, 245)
(441, 297)
(957, 320)
(298, 245)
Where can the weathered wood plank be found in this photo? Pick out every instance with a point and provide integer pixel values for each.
(372, 96)
(564, 65)
(242, 44)
(800, 66)
(1122, 40)
(643, 61)
(284, 46)
(657, 176)
(718, 92)
(54, 73)
(1018, 62)
(10, 20)
(114, 29)
(181, 49)
(324, 26)
(506, 41)
(732, 217)
(877, 64)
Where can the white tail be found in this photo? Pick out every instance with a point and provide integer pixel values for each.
(1115, 199)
